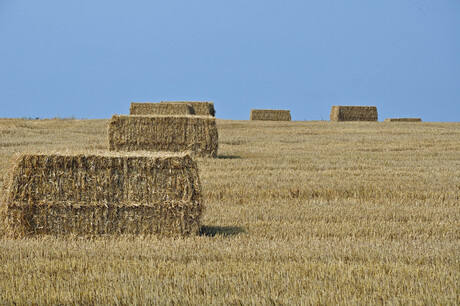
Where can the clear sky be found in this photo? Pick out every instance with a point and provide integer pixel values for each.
(90, 59)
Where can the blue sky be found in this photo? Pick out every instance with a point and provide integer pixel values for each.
(90, 59)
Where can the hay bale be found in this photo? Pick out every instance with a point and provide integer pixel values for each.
(200, 108)
(353, 113)
(197, 134)
(403, 120)
(102, 193)
(161, 109)
(270, 115)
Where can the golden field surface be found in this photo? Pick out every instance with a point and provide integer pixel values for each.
(296, 213)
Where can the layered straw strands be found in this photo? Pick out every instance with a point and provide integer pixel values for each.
(161, 109)
(270, 115)
(197, 134)
(403, 120)
(200, 108)
(102, 193)
(353, 113)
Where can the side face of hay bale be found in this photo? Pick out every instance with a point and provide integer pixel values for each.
(270, 115)
(197, 134)
(403, 120)
(353, 113)
(200, 108)
(109, 193)
(161, 109)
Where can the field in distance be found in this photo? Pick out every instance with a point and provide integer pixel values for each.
(296, 212)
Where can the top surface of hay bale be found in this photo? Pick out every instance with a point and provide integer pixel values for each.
(161, 109)
(201, 108)
(403, 120)
(102, 177)
(270, 114)
(353, 113)
(197, 134)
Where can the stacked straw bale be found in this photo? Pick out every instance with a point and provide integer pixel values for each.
(403, 120)
(161, 109)
(353, 113)
(197, 134)
(200, 108)
(270, 115)
(102, 193)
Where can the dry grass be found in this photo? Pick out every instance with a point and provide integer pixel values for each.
(99, 193)
(197, 134)
(353, 113)
(296, 212)
(270, 115)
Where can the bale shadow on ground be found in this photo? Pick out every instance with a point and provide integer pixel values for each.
(229, 157)
(211, 231)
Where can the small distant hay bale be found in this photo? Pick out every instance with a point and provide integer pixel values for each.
(200, 108)
(403, 120)
(353, 113)
(197, 134)
(102, 193)
(161, 109)
(270, 115)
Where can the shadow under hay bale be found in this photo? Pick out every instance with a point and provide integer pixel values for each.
(353, 113)
(200, 108)
(270, 115)
(403, 120)
(161, 109)
(197, 134)
(211, 231)
(102, 193)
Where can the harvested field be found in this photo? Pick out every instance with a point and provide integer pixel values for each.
(296, 213)
(161, 109)
(197, 134)
(403, 120)
(270, 115)
(102, 193)
(199, 108)
(353, 113)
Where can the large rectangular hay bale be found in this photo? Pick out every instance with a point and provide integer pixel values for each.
(270, 115)
(403, 120)
(148, 108)
(102, 193)
(201, 108)
(197, 134)
(353, 113)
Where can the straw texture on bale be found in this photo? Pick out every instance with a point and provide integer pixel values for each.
(353, 113)
(270, 115)
(200, 108)
(102, 193)
(403, 120)
(197, 134)
(161, 109)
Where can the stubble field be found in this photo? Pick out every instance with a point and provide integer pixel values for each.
(296, 212)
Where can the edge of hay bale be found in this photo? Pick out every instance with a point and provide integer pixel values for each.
(196, 134)
(201, 108)
(101, 193)
(152, 108)
(270, 114)
(353, 113)
(403, 120)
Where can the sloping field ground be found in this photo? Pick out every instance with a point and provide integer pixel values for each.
(296, 212)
